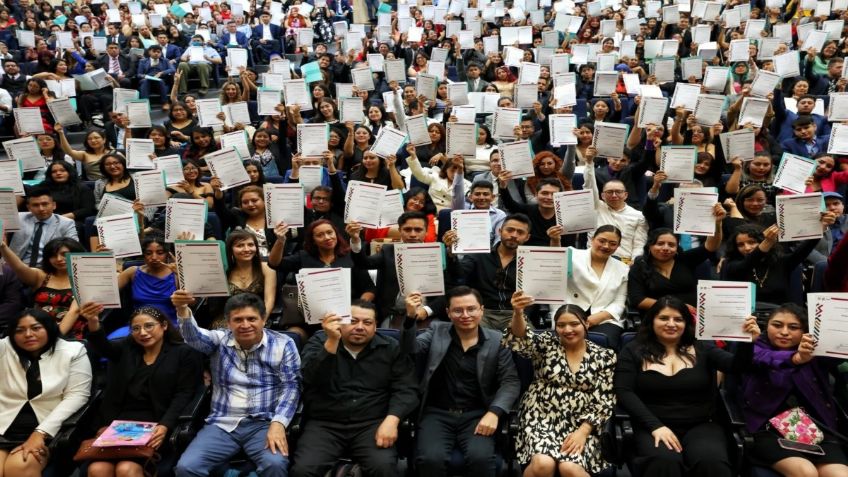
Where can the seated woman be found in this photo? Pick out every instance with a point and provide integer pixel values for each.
(758, 172)
(438, 179)
(45, 381)
(598, 284)
(249, 215)
(154, 282)
(753, 256)
(95, 148)
(74, 200)
(786, 375)
(50, 284)
(152, 376)
(192, 185)
(116, 178)
(415, 199)
(666, 381)
(564, 410)
(751, 206)
(666, 269)
(377, 170)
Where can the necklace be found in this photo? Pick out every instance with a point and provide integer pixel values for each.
(757, 278)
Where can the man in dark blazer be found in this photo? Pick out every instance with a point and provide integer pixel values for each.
(232, 38)
(154, 66)
(804, 141)
(471, 74)
(119, 66)
(266, 38)
(114, 35)
(474, 384)
(412, 227)
(170, 52)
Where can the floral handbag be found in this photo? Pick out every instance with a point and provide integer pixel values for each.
(797, 426)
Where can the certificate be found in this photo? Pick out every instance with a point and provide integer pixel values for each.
(284, 203)
(419, 268)
(312, 139)
(11, 174)
(562, 129)
(236, 140)
(185, 216)
(837, 109)
(526, 95)
(542, 272)
(171, 167)
(461, 139)
(201, 267)
(517, 158)
(693, 211)
(458, 93)
(787, 64)
(324, 290)
(94, 279)
(122, 96)
(678, 162)
(296, 92)
(609, 139)
(828, 318)
(652, 111)
(25, 150)
(605, 83)
(350, 110)
(235, 113)
(273, 81)
(739, 143)
(389, 140)
(195, 54)
(267, 101)
(426, 85)
(838, 143)
(113, 204)
(473, 229)
(63, 112)
(708, 109)
(28, 120)
(362, 203)
(10, 220)
(392, 208)
(753, 111)
(395, 70)
(575, 211)
(363, 78)
(150, 188)
(793, 172)
(799, 216)
(119, 233)
(311, 177)
(715, 78)
(723, 308)
(504, 122)
(138, 112)
(227, 166)
(764, 83)
(416, 128)
(139, 152)
(685, 95)
(207, 112)
(692, 68)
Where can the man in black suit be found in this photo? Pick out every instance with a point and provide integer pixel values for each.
(114, 35)
(390, 303)
(119, 66)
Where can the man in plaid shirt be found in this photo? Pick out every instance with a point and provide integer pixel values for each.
(255, 388)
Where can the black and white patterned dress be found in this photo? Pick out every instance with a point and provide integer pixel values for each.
(559, 401)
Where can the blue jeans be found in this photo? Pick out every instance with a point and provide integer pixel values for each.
(213, 447)
(145, 85)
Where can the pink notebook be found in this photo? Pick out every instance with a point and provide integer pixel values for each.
(125, 433)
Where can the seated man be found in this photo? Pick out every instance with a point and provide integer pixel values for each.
(202, 65)
(255, 388)
(470, 383)
(154, 67)
(357, 388)
(39, 226)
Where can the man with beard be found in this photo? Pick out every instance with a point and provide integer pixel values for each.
(493, 273)
(357, 386)
(390, 302)
(542, 214)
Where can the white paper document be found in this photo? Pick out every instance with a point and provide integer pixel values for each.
(119, 233)
(226, 165)
(10, 219)
(504, 122)
(312, 139)
(517, 158)
(322, 291)
(542, 272)
(693, 211)
(284, 203)
(171, 167)
(113, 204)
(473, 228)
(185, 216)
(723, 307)
(63, 112)
(562, 129)
(388, 142)
(150, 188)
(26, 150)
(609, 139)
(201, 267)
(207, 112)
(461, 139)
(678, 162)
(139, 152)
(739, 143)
(420, 268)
(828, 318)
(94, 279)
(652, 111)
(362, 203)
(799, 216)
(793, 172)
(575, 211)
(28, 120)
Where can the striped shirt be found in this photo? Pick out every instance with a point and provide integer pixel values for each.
(262, 382)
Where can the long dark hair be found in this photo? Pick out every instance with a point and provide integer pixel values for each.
(342, 247)
(255, 262)
(172, 336)
(754, 231)
(102, 166)
(52, 247)
(51, 183)
(650, 348)
(653, 237)
(44, 319)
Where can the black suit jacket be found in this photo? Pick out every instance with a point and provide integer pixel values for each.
(176, 378)
(127, 64)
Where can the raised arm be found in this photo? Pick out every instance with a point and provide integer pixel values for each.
(66, 146)
(29, 276)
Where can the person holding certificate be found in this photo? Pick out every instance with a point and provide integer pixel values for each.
(785, 374)
(192, 186)
(666, 381)
(73, 199)
(439, 179)
(249, 215)
(358, 142)
(202, 142)
(159, 135)
(753, 256)
(759, 172)
(665, 269)
(564, 410)
(376, 170)
(152, 377)
(153, 282)
(36, 95)
(116, 178)
(50, 284)
(94, 148)
(273, 156)
(825, 177)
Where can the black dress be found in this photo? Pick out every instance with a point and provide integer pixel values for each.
(644, 281)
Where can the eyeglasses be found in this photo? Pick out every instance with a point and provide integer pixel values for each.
(458, 312)
(148, 327)
(615, 192)
(318, 198)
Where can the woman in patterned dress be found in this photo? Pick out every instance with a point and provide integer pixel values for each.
(571, 397)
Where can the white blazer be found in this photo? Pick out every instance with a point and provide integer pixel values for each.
(591, 292)
(65, 380)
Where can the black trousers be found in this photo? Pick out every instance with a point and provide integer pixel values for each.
(704, 453)
(612, 332)
(95, 102)
(441, 431)
(325, 442)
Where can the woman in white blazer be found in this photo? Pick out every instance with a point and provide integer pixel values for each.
(598, 283)
(45, 380)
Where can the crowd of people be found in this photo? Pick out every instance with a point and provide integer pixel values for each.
(365, 69)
